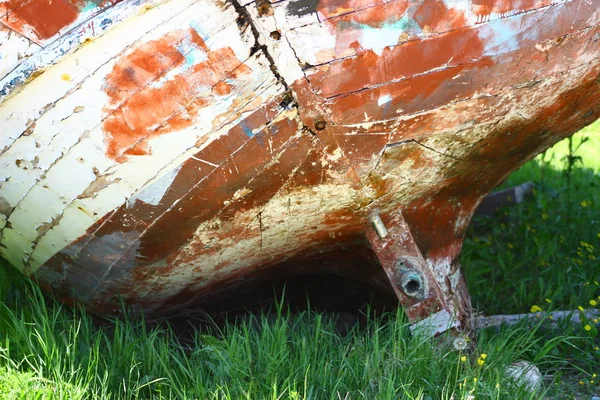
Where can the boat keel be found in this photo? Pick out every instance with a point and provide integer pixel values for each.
(426, 294)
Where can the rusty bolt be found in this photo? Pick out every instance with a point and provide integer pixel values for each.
(276, 35)
(264, 8)
(320, 125)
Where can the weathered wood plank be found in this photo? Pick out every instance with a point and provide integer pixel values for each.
(100, 128)
(451, 49)
(14, 49)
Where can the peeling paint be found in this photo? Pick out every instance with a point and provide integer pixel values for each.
(203, 149)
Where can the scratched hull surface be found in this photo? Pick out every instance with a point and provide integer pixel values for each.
(154, 151)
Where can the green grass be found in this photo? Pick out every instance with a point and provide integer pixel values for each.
(547, 248)
(531, 252)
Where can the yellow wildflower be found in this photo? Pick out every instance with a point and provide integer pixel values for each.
(475, 380)
(535, 308)
(463, 358)
(480, 362)
(593, 303)
(587, 328)
(483, 355)
(584, 204)
(581, 308)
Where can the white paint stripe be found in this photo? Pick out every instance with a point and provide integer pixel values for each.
(14, 49)
(204, 161)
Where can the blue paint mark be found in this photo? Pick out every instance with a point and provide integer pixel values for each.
(190, 51)
(91, 5)
(499, 37)
(386, 109)
(105, 23)
(405, 24)
(246, 129)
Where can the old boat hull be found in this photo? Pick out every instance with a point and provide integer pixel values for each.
(158, 152)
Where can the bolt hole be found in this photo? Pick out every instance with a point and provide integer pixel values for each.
(320, 125)
(412, 286)
(264, 8)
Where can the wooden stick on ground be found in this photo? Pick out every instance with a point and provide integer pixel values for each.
(551, 317)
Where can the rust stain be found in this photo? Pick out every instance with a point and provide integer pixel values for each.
(145, 101)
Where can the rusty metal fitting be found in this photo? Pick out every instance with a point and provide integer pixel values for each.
(275, 35)
(411, 281)
(379, 226)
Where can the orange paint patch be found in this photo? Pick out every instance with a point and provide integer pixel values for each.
(39, 20)
(369, 69)
(154, 89)
(44, 17)
(435, 15)
(484, 8)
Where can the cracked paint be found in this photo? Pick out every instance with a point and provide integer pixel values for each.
(207, 150)
(153, 90)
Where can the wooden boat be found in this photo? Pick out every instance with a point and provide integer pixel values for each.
(160, 152)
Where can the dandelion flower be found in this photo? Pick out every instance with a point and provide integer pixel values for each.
(463, 358)
(593, 303)
(587, 328)
(535, 308)
(460, 343)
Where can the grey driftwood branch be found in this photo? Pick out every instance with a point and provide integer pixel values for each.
(550, 317)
